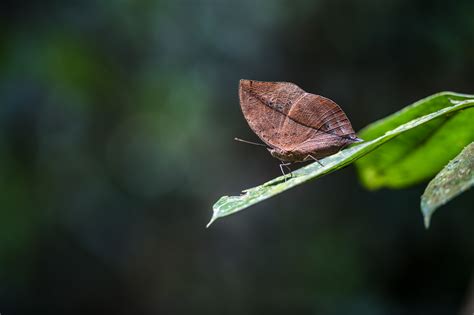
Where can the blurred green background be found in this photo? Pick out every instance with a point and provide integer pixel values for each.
(117, 121)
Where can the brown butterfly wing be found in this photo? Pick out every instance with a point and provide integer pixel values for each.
(295, 123)
(265, 106)
(318, 127)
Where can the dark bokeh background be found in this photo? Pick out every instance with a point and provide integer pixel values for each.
(116, 128)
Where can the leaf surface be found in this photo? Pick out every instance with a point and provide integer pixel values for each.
(420, 153)
(454, 178)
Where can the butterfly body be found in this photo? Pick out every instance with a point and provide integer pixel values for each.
(295, 125)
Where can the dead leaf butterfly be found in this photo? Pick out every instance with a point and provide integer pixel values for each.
(296, 126)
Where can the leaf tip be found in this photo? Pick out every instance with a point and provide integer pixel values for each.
(427, 221)
(426, 211)
(213, 218)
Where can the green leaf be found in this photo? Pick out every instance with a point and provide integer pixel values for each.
(418, 154)
(227, 205)
(454, 178)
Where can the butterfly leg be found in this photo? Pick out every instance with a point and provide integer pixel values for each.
(315, 159)
(287, 167)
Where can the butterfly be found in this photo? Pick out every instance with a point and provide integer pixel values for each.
(295, 126)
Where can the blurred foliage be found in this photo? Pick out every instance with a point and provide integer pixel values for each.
(407, 128)
(116, 128)
(421, 153)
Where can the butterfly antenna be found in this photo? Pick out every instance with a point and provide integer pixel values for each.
(250, 142)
